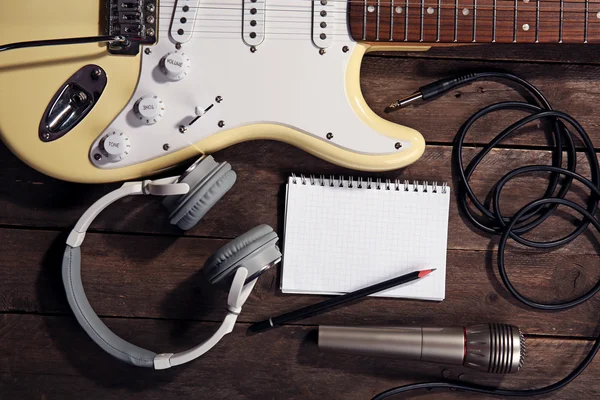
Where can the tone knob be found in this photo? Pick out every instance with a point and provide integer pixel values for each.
(149, 109)
(115, 146)
(175, 66)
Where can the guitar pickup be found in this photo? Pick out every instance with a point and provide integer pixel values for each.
(184, 20)
(323, 23)
(253, 30)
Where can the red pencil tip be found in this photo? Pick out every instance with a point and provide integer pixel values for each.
(425, 272)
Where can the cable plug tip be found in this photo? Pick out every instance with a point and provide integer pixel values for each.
(404, 102)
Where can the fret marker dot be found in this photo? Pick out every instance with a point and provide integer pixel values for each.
(399, 10)
(430, 10)
(465, 11)
(525, 27)
(598, 15)
(371, 9)
(525, 1)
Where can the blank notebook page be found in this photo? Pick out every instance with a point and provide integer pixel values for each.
(340, 237)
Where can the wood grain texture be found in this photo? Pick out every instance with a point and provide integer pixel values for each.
(475, 21)
(57, 361)
(33, 200)
(142, 275)
(158, 277)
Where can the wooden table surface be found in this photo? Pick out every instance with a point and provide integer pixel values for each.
(141, 274)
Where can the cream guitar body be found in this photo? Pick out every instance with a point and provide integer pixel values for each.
(213, 79)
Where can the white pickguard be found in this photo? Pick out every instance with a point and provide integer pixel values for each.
(286, 81)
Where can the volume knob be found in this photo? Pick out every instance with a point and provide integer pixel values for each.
(175, 65)
(115, 146)
(149, 109)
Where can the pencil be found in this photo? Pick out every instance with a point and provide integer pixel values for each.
(326, 305)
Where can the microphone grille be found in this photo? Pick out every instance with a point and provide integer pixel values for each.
(495, 348)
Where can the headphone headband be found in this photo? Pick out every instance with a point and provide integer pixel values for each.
(251, 260)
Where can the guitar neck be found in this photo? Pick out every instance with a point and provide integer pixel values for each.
(475, 21)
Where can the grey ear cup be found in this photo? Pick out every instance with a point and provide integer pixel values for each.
(87, 318)
(255, 250)
(208, 182)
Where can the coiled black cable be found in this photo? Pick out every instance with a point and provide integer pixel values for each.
(490, 219)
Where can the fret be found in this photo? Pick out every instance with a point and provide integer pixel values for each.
(561, 20)
(439, 16)
(587, 11)
(406, 22)
(455, 21)
(474, 21)
(378, 19)
(537, 21)
(364, 35)
(422, 21)
(495, 11)
(392, 10)
(515, 26)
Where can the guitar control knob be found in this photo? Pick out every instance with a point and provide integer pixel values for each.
(149, 109)
(175, 65)
(115, 146)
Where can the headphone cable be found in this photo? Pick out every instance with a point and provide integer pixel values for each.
(489, 218)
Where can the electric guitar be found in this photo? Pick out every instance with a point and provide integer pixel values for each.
(190, 77)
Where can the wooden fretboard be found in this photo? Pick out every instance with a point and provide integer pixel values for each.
(475, 21)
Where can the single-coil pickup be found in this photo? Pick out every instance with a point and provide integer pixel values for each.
(184, 20)
(253, 32)
(323, 20)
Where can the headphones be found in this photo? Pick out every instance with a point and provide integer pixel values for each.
(189, 197)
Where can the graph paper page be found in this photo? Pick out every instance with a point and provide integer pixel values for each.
(341, 239)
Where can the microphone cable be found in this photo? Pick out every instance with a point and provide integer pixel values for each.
(489, 219)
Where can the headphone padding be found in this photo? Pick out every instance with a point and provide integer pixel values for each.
(224, 260)
(198, 202)
(88, 319)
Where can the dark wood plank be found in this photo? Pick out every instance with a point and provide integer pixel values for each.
(157, 277)
(57, 361)
(32, 200)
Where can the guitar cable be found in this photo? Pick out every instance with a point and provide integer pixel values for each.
(489, 219)
(63, 42)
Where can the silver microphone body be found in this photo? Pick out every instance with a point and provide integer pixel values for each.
(495, 348)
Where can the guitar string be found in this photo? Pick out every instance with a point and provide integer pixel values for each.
(530, 6)
(361, 3)
(501, 17)
(401, 15)
(415, 7)
(428, 21)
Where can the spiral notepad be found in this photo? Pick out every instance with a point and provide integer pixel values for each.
(345, 234)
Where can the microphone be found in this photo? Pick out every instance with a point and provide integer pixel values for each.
(495, 348)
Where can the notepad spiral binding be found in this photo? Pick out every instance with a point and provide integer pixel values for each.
(369, 183)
